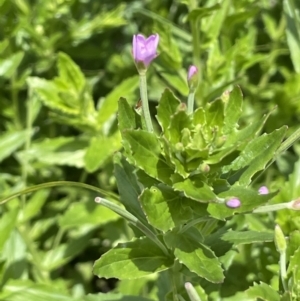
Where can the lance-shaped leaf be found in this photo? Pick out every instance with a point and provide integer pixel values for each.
(233, 109)
(256, 154)
(128, 187)
(165, 208)
(247, 237)
(132, 260)
(146, 154)
(167, 107)
(198, 258)
(267, 152)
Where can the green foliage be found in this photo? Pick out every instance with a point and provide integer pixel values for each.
(72, 129)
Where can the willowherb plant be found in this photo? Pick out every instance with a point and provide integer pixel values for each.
(181, 184)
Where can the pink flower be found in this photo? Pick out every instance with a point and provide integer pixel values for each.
(233, 203)
(144, 49)
(193, 70)
(263, 190)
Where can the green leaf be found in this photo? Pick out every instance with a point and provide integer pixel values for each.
(65, 252)
(34, 205)
(196, 189)
(199, 13)
(145, 150)
(108, 106)
(179, 121)
(128, 118)
(7, 224)
(132, 260)
(164, 208)
(128, 187)
(263, 291)
(166, 108)
(114, 297)
(86, 214)
(247, 237)
(256, 154)
(10, 142)
(20, 290)
(249, 198)
(9, 65)
(267, 145)
(233, 110)
(294, 262)
(70, 73)
(68, 151)
(215, 113)
(100, 150)
(197, 257)
(293, 31)
(49, 93)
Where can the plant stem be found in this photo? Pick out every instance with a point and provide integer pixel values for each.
(192, 292)
(145, 104)
(282, 264)
(176, 279)
(14, 98)
(190, 103)
(275, 207)
(194, 24)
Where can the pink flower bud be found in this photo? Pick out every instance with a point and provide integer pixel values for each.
(233, 203)
(193, 70)
(144, 49)
(263, 190)
(192, 77)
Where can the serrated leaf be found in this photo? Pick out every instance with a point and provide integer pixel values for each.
(263, 291)
(197, 257)
(164, 208)
(132, 260)
(146, 152)
(196, 189)
(249, 198)
(49, 94)
(70, 73)
(247, 237)
(167, 107)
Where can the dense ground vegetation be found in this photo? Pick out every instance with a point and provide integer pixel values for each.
(64, 65)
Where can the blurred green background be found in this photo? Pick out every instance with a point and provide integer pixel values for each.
(63, 66)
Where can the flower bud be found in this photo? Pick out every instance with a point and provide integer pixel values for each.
(233, 203)
(144, 50)
(263, 190)
(279, 239)
(192, 77)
